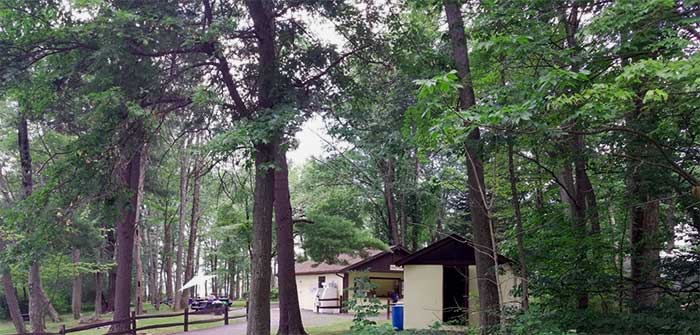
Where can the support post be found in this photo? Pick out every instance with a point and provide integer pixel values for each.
(187, 318)
(226, 315)
(62, 330)
(133, 322)
(388, 309)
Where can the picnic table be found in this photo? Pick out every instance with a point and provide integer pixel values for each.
(215, 305)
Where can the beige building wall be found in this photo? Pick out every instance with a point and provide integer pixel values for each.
(308, 284)
(473, 318)
(422, 295)
(507, 281)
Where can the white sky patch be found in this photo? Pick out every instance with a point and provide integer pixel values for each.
(311, 142)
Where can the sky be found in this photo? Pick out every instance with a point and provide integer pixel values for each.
(311, 141)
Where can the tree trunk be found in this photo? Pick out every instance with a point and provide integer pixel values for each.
(98, 295)
(11, 295)
(131, 173)
(645, 254)
(233, 282)
(184, 181)
(515, 200)
(192, 254)
(46, 302)
(214, 268)
(645, 242)
(403, 218)
(110, 253)
(259, 293)
(263, 17)
(290, 322)
(77, 296)
(168, 257)
(36, 309)
(489, 303)
(388, 180)
(584, 186)
(138, 303)
(580, 211)
(36, 296)
(153, 282)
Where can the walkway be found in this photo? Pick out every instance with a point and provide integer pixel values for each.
(311, 319)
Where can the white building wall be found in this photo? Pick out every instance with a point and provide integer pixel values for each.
(422, 295)
(308, 284)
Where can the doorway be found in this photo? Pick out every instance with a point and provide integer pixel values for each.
(455, 294)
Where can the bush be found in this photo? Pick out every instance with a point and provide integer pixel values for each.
(665, 319)
(363, 304)
(387, 329)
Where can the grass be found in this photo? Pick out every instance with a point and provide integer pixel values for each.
(6, 327)
(339, 328)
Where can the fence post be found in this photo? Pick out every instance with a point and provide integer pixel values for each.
(388, 309)
(133, 322)
(246, 310)
(226, 314)
(62, 329)
(187, 318)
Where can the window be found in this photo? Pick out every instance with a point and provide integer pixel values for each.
(321, 280)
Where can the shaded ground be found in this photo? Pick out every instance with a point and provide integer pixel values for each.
(238, 327)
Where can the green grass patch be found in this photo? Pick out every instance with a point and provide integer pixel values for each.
(6, 327)
(333, 329)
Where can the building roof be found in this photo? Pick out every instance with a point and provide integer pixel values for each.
(452, 250)
(373, 260)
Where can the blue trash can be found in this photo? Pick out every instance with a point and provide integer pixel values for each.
(397, 316)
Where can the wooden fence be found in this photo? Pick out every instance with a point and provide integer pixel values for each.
(132, 327)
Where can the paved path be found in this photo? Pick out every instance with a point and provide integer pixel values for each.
(238, 327)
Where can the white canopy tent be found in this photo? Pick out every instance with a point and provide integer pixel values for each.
(196, 282)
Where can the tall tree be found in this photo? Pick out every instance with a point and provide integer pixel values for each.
(77, 294)
(131, 174)
(290, 322)
(487, 283)
(11, 295)
(192, 254)
(268, 91)
(36, 308)
(168, 253)
(138, 260)
(182, 212)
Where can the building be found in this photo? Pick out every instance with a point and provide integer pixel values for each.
(440, 284)
(376, 264)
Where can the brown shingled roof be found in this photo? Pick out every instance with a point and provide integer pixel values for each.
(344, 261)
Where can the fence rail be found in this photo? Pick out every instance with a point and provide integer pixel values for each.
(339, 306)
(133, 327)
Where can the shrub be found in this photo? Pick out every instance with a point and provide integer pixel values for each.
(363, 304)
